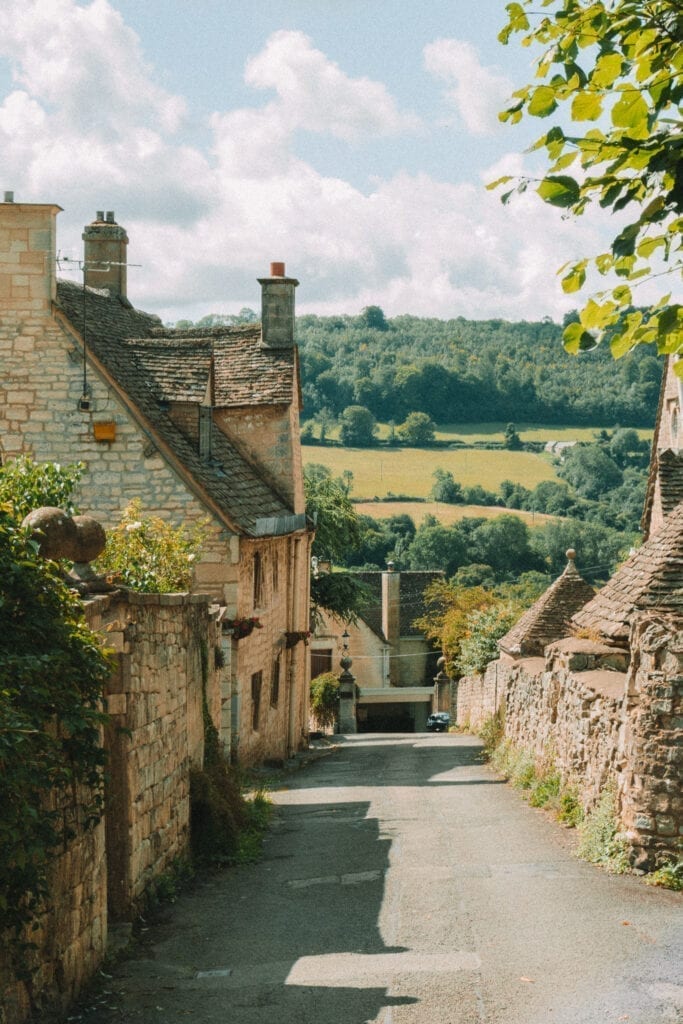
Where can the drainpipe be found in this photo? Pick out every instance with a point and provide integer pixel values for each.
(293, 617)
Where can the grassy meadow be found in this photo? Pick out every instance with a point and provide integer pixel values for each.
(468, 433)
(446, 514)
(408, 471)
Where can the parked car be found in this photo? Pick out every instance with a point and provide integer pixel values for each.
(439, 721)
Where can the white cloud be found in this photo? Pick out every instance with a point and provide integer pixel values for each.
(315, 94)
(205, 224)
(478, 93)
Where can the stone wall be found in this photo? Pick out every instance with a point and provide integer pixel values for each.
(602, 719)
(278, 727)
(164, 659)
(652, 778)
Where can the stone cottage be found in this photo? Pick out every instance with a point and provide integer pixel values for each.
(393, 664)
(200, 425)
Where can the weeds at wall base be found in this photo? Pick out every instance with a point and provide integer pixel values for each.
(668, 876)
(600, 839)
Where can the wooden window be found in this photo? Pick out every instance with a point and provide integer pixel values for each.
(321, 661)
(256, 683)
(276, 573)
(275, 683)
(258, 580)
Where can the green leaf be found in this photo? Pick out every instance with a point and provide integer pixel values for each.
(607, 70)
(576, 339)
(542, 102)
(631, 111)
(559, 190)
(574, 281)
(587, 106)
(596, 315)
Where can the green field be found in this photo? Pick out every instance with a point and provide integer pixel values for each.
(378, 472)
(469, 433)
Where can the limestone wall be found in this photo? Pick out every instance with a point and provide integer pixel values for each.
(602, 719)
(270, 680)
(164, 657)
(652, 778)
(71, 936)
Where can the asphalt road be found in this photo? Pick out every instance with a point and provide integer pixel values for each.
(403, 883)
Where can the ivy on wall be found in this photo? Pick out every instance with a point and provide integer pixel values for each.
(52, 676)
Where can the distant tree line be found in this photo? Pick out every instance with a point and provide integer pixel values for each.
(460, 371)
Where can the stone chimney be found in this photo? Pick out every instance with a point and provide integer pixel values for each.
(277, 308)
(391, 617)
(28, 264)
(105, 254)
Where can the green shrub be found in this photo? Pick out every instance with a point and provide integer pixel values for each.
(26, 485)
(569, 809)
(545, 790)
(217, 814)
(325, 699)
(492, 731)
(601, 842)
(668, 876)
(52, 676)
(148, 554)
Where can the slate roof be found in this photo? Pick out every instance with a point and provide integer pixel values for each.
(239, 370)
(178, 371)
(549, 617)
(412, 587)
(652, 578)
(670, 476)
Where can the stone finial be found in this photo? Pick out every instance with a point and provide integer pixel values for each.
(80, 539)
(53, 531)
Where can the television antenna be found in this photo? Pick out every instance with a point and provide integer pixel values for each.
(96, 267)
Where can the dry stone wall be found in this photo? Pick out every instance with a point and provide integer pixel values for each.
(164, 662)
(603, 718)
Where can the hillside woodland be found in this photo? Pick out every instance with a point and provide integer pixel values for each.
(463, 371)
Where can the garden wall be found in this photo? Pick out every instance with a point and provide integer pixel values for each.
(163, 663)
(604, 716)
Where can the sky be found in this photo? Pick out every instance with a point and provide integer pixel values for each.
(350, 139)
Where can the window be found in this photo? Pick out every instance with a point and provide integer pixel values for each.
(256, 682)
(276, 573)
(321, 661)
(275, 683)
(258, 580)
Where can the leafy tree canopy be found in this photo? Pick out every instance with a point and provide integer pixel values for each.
(337, 529)
(417, 429)
(357, 427)
(617, 66)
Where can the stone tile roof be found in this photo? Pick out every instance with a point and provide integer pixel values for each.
(226, 480)
(231, 360)
(652, 578)
(670, 474)
(412, 588)
(549, 617)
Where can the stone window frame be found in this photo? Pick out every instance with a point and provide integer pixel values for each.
(256, 686)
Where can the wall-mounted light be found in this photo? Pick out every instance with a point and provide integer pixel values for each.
(346, 636)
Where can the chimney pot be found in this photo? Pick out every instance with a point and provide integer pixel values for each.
(110, 217)
(277, 270)
(99, 215)
(9, 197)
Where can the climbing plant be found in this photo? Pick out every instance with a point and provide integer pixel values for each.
(52, 675)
